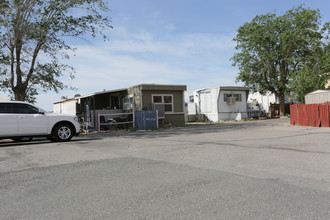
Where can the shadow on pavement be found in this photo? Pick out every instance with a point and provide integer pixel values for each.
(40, 141)
(193, 129)
(161, 133)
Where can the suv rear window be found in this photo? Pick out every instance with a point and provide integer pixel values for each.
(18, 108)
(7, 108)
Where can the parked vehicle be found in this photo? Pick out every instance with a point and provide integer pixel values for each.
(22, 121)
(255, 110)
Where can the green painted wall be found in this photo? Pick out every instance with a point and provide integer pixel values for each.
(177, 99)
(176, 120)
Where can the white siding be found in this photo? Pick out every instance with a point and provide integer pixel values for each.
(263, 100)
(317, 97)
(210, 102)
(206, 101)
(57, 108)
(65, 107)
(191, 105)
(232, 116)
(239, 106)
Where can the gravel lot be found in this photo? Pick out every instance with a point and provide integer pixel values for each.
(237, 170)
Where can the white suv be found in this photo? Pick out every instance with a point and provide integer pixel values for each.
(22, 121)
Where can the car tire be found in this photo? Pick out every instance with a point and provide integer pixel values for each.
(23, 139)
(63, 132)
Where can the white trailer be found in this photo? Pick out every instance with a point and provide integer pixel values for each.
(219, 103)
(65, 107)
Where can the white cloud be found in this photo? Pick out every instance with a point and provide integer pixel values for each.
(170, 27)
(178, 45)
(115, 71)
(196, 60)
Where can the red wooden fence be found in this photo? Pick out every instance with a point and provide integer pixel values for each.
(315, 115)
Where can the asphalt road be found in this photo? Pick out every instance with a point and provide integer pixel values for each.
(241, 170)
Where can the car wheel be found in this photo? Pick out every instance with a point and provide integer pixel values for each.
(63, 132)
(23, 139)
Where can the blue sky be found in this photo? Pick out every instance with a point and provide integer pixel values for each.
(167, 42)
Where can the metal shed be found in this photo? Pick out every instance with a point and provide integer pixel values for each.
(317, 97)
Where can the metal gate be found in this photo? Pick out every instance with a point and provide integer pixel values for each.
(145, 120)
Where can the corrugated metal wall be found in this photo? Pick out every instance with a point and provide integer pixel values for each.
(145, 120)
(316, 98)
(315, 115)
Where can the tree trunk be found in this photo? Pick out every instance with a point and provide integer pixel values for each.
(282, 105)
(19, 94)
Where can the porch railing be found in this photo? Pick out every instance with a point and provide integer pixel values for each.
(108, 120)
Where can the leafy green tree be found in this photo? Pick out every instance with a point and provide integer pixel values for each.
(314, 74)
(272, 49)
(34, 36)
